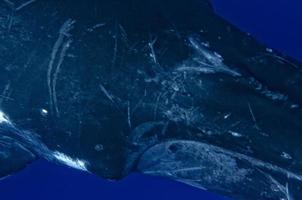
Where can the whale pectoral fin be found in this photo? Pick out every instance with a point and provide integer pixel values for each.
(216, 169)
(13, 156)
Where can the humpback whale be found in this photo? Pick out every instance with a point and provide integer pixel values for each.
(162, 87)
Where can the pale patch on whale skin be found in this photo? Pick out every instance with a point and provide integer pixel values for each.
(71, 162)
(3, 118)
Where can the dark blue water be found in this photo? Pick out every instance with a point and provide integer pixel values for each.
(46, 181)
(276, 23)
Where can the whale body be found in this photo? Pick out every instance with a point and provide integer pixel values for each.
(164, 88)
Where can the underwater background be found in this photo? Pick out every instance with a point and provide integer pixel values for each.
(276, 23)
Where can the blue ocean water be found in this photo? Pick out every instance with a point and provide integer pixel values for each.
(276, 23)
(46, 181)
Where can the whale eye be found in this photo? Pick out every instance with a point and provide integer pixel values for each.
(173, 148)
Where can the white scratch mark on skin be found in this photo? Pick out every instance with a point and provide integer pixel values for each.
(273, 95)
(194, 69)
(280, 58)
(124, 35)
(286, 61)
(66, 160)
(251, 112)
(235, 134)
(109, 96)
(66, 27)
(210, 62)
(156, 104)
(286, 156)
(5, 93)
(294, 106)
(5, 97)
(253, 116)
(55, 76)
(288, 196)
(10, 22)
(25, 4)
(129, 115)
(227, 116)
(152, 54)
(282, 188)
(95, 27)
(50, 66)
(115, 49)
